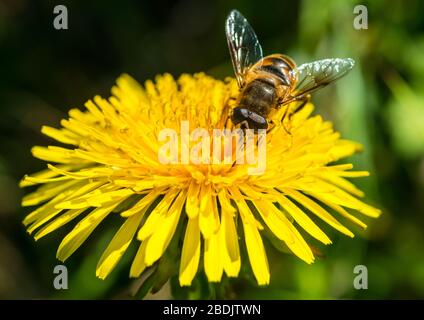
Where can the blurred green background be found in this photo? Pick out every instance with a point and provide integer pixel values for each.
(45, 72)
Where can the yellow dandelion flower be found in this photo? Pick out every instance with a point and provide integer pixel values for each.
(111, 166)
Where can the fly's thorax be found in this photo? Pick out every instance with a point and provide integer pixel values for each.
(277, 67)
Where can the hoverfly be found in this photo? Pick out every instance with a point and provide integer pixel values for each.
(267, 83)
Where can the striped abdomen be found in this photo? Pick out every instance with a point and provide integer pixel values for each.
(266, 84)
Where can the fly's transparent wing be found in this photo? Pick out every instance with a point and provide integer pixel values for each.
(312, 76)
(243, 43)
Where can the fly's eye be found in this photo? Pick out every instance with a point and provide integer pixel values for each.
(239, 115)
(245, 113)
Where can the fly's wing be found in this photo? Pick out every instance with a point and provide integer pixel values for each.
(312, 76)
(243, 43)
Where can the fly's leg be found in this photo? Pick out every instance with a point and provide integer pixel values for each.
(225, 121)
(303, 102)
